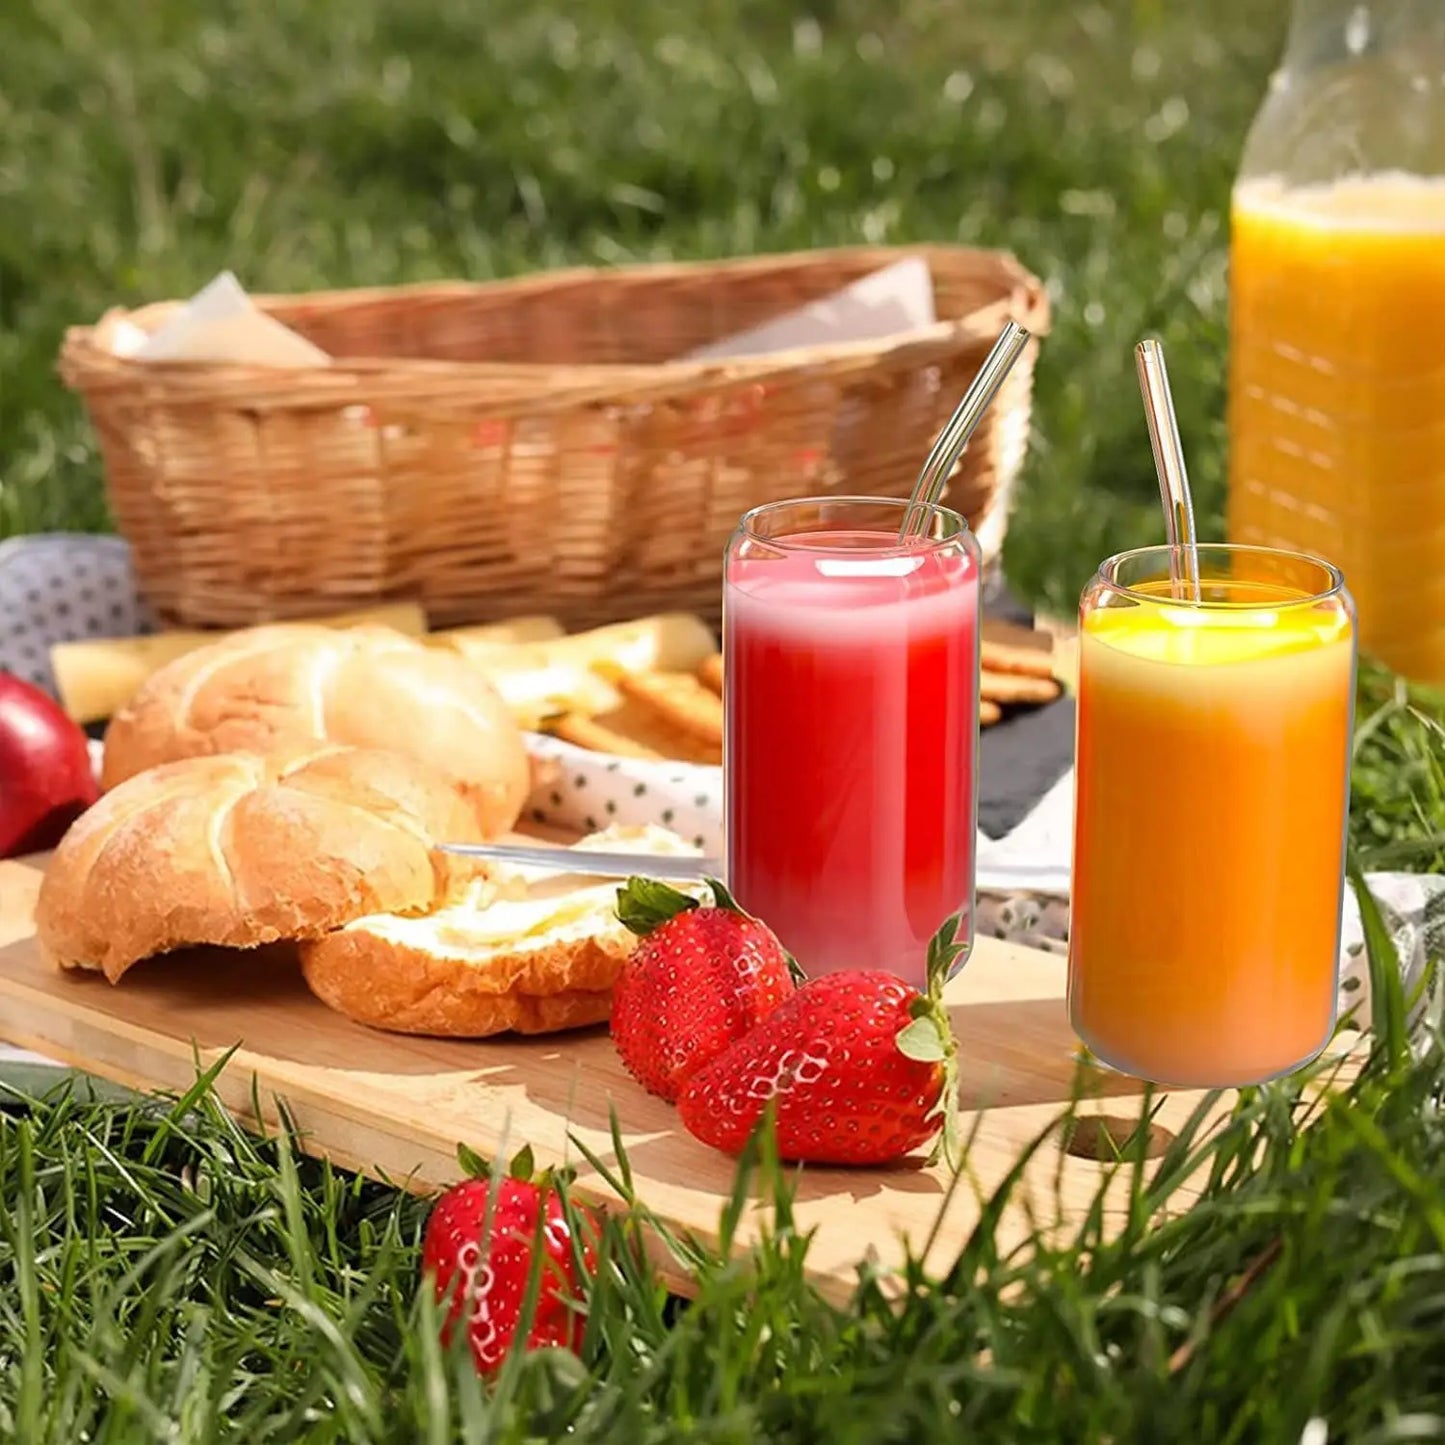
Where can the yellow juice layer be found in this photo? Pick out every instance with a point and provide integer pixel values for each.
(1208, 853)
(1337, 395)
(1212, 637)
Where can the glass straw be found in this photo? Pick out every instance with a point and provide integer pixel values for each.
(961, 426)
(1169, 463)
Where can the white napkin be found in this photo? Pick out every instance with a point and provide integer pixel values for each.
(219, 323)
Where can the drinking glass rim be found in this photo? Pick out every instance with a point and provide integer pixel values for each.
(959, 525)
(1110, 566)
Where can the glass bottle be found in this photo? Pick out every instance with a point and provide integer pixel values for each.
(1337, 316)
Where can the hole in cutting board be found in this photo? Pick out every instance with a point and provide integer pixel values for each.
(1108, 1138)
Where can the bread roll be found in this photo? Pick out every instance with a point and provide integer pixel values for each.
(369, 687)
(240, 850)
(526, 952)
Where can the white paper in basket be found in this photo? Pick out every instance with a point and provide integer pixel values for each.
(219, 323)
(887, 302)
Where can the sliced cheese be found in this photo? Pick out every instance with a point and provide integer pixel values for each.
(545, 677)
(517, 629)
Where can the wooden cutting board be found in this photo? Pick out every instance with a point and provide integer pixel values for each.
(396, 1106)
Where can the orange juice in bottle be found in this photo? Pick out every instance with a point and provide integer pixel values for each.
(1337, 317)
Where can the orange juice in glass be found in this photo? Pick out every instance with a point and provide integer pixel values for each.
(1211, 796)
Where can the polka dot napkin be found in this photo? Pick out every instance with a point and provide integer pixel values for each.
(588, 791)
(59, 587)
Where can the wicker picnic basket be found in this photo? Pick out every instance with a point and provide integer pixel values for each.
(528, 445)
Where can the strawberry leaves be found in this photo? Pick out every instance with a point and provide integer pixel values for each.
(944, 954)
(920, 1042)
(723, 899)
(928, 1037)
(521, 1168)
(644, 905)
(473, 1166)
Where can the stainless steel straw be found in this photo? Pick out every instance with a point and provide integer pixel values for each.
(1169, 463)
(961, 426)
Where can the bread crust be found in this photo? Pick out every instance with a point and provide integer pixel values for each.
(451, 992)
(239, 850)
(283, 685)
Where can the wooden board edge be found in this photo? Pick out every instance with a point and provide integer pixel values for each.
(402, 1161)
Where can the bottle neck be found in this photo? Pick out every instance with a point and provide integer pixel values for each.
(1360, 91)
(1327, 32)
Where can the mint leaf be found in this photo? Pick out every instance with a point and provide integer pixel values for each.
(644, 904)
(920, 1042)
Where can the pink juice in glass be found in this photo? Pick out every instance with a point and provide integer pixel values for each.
(851, 675)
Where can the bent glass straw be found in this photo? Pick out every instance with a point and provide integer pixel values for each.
(961, 426)
(1169, 463)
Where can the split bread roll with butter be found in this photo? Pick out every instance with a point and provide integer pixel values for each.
(331, 848)
(241, 850)
(369, 687)
(526, 951)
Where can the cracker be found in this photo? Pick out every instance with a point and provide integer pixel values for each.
(989, 713)
(586, 732)
(680, 701)
(646, 728)
(1008, 657)
(1012, 689)
(710, 673)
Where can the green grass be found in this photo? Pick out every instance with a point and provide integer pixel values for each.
(1397, 792)
(165, 1275)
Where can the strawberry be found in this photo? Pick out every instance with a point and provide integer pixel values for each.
(478, 1248)
(700, 979)
(860, 1068)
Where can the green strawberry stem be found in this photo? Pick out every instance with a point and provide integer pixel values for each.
(928, 1038)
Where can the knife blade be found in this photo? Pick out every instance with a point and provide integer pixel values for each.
(594, 862)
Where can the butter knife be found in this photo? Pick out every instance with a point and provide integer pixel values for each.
(594, 862)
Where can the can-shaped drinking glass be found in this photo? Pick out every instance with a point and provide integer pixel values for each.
(850, 665)
(1211, 803)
